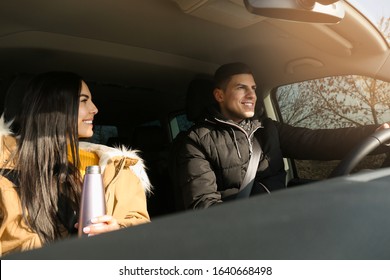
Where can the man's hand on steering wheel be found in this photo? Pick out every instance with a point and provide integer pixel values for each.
(381, 136)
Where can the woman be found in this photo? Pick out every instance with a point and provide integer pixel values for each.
(44, 163)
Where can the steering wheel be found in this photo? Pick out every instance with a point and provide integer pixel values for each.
(368, 145)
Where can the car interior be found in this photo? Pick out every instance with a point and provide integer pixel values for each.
(149, 65)
(143, 59)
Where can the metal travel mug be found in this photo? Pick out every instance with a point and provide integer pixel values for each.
(93, 203)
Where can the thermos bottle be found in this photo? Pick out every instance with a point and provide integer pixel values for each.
(93, 203)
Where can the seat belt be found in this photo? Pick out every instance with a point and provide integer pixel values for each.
(247, 183)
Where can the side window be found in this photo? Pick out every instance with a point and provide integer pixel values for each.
(333, 102)
(179, 123)
(101, 133)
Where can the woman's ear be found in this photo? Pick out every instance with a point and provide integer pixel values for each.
(218, 95)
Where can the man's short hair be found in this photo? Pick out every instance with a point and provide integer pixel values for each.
(226, 71)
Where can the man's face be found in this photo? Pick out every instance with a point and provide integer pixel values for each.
(238, 101)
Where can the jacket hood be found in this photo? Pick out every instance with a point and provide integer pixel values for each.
(106, 153)
(5, 127)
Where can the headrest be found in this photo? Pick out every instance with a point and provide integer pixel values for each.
(199, 97)
(14, 95)
(148, 138)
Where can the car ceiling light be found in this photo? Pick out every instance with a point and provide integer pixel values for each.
(292, 66)
(319, 11)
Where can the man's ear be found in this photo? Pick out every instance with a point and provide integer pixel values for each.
(218, 95)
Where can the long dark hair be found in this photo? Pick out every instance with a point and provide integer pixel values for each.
(48, 128)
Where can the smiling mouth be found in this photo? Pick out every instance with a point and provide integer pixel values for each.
(88, 122)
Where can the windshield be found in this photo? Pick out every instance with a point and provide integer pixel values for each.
(377, 11)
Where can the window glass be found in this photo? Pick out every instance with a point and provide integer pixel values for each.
(378, 12)
(101, 133)
(179, 123)
(334, 102)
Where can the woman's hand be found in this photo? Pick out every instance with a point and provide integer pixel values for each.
(101, 224)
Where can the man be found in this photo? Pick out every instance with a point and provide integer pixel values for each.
(214, 156)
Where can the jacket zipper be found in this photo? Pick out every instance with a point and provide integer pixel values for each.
(240, 128)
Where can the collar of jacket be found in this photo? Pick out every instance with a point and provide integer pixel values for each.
(215, 116)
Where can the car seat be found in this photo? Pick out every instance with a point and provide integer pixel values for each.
(153, 146)
(199, 97)
(15, 89)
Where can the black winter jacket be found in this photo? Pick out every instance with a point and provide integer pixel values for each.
(214, 157)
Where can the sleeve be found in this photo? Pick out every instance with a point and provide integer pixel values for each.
(125, 194)
(196, 178)
(15, 235)
(320, 144)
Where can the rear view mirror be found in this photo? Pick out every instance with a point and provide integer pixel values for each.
(319, 11)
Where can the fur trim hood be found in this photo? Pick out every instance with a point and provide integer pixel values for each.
(105, 153)
(5, 130)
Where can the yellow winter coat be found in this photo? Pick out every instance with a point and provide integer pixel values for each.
(124, 178)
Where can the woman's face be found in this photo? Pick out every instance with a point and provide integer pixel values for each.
(87, 111)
